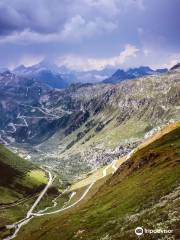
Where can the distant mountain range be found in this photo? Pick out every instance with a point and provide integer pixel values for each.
(46, 73)
(132, 73)
(32, 112)
(61, 77)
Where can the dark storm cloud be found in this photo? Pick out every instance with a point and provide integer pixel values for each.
(51, 21)
(42, 16)
(92, 31)
(161, 24)
(9, 20)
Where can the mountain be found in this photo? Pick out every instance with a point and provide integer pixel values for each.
(144, 192)
(61, 77)
(118, 76)
(43, 72)
(132, 73)
(176, 68)
(2, 70)
(83, 126)
(22, 96)
(83, 134)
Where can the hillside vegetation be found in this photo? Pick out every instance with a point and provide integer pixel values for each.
(20, 182)
(18, 175)
(143, 192)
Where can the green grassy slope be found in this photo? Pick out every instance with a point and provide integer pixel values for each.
(20, 180)
(18, 175)
(143, 192)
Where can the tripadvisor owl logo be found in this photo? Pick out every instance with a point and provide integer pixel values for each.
(139, 231)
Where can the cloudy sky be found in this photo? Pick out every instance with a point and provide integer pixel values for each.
(90, 34)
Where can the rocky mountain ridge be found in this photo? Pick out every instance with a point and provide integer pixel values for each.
(132, 73)
(61, 77)
(175, 68)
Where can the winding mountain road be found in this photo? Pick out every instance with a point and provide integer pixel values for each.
(29, 216)
(68, 207)
(30, 213)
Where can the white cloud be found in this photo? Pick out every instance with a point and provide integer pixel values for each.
(157, 58)
(137, 3)
(171, 61)
(27, 60)
(79, 63)
(108, 8)
(140, 4)
(78, 28)
(146, 52)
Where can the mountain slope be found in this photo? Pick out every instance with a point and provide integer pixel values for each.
(19, 97)
(143, 192)
(61, 77)
(44, 73)
(84, 126)
(18, 177)
(20, 182)
(110, 121)
(175, 68)
(132, 73)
